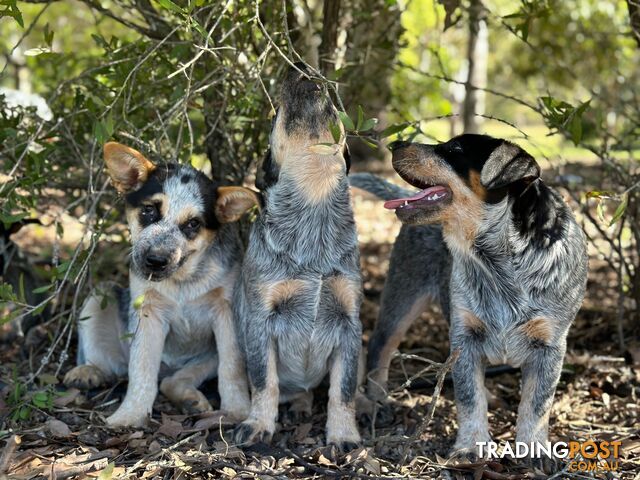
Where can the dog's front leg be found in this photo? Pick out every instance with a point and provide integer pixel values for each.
(232, 377)
(150, 330)
(470, 394)
(265, 391)
(341, 413)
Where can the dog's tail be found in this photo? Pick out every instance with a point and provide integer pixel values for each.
(378, 186)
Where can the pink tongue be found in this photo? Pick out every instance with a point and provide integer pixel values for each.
(393, 204)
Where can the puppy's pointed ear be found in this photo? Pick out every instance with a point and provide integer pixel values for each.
(267, 174)
(233, 202)
(126, 167)
(507, 165)
(347, 156)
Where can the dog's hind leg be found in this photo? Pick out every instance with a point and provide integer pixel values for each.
(397, 314)
(103, 347)
(181, 387)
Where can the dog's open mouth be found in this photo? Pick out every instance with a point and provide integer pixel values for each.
(429, 196)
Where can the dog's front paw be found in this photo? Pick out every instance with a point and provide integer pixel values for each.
(345, 438)
(466, 448)
(253, 431)
(546, 465)
(85, 377)
(125, 418)
(194, 402)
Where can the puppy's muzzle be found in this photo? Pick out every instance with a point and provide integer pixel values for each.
(156, 263)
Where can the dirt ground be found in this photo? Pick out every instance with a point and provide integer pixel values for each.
(64, 435)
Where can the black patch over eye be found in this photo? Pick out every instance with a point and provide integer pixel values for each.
(191, 228)
(149, 214)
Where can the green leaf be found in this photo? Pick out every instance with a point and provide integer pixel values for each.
(48, 35)
(38, 290)
(360, 118)
(138, 301)
(393, 129)
(336, 132)
(107, 473)
(346, 121)
(169, 5)
(622, 207)
(368, 124)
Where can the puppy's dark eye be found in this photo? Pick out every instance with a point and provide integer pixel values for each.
(149, 212)
(191, 227)
(455, 147)
(193, 224)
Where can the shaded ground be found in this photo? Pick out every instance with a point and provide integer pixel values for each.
(62, 434)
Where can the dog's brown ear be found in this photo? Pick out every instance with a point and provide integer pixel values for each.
(126, 167)
(506, 165)
(233, 202)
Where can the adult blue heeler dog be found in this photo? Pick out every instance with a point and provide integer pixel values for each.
(298, 299)
(504, 256)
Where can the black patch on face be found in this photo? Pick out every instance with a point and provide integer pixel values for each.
(209, 193)
(468, 153)
(149, 213)
(155, 183)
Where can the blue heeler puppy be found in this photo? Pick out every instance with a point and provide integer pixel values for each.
(185, 259)
(506, 260)
(298, 300)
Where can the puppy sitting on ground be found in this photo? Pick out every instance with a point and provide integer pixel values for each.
(507, 261)
(185, 259)
(300, 289)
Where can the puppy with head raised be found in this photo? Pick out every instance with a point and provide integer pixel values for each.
(506, 259)
(185, 259)
(298, 299)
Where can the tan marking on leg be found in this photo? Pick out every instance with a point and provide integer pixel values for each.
(274, 294)
(233, 385)
(538, 329)
(471, 322)
(341, 416)
(347, 292)
(378, 378)
(181, 387)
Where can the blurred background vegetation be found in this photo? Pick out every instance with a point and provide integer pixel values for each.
(195, 81)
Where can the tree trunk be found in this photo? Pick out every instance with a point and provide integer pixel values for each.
(477, 60)
(330, 24)
(373, 37)
(634, 18)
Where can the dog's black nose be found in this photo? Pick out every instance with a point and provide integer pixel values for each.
(398, 144)
(156, 263)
